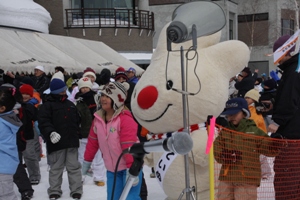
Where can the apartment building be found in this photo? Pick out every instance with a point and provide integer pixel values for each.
(126, 26)
(132, 27)
(260, 23)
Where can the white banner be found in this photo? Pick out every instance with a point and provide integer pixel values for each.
(284, 49)
(167, 158)
(163, 165)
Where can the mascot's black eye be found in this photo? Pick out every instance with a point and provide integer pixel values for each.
(169, 85)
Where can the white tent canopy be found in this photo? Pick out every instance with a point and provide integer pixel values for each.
(21, 51)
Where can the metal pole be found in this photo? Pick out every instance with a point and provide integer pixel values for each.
(134, 172)
(127, 187)
(185, 122)
(183, 87)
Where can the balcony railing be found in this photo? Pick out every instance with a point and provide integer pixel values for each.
(109, 18)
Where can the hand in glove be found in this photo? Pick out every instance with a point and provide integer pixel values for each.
(55, 137)
(231, 156)
(85, 168)
(278, 142)
(276, 135)
(136, 180)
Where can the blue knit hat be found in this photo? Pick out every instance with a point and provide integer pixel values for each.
(57, 86)
(131, 69)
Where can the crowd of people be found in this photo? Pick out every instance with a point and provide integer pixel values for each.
(85, 122)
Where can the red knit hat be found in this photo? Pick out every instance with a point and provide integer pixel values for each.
(120, 69)
(88, 69)
(120, 72)
(26, 89)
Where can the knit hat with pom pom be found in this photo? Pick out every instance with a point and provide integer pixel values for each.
(117, 92)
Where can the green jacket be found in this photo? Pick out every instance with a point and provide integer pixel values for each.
(248, 142)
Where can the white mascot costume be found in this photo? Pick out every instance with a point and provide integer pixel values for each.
(159, 108)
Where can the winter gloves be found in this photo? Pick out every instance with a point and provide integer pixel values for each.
(55, 137)
(278, 143)
(85, 168)
(231, 156)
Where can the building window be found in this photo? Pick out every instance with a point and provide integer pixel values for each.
(287, 27)
(253, 17)
(231, 29)
(102, 4)
(262, 66)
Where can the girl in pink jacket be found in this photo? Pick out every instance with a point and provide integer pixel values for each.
(112, 131)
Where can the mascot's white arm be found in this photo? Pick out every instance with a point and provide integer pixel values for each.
(199, 157)
(148, 160)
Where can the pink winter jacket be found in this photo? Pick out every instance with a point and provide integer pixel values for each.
(111, 138)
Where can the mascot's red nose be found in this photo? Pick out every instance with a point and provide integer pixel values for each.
(147, 97)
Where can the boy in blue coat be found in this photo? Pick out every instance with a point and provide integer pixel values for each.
(9, 126)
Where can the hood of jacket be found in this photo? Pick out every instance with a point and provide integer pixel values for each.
(54, 97)
(101, 112)
(245, 124)
(11, 120)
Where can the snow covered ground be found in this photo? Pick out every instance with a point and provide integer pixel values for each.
(155, 192)
(90, 190)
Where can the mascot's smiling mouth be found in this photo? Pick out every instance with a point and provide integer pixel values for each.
(152, 120)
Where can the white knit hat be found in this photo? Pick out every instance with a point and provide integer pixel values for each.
(39, 67)
(85, 82)
(253, 94)
(117, 92)
(58, 75)
(89, 73)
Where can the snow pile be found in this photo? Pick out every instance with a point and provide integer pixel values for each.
(24, 14)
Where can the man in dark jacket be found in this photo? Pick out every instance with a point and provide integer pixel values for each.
(59, 124)
(286, 115)
(245, 82)
(40, 80)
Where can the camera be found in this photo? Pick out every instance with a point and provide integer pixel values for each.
(261, 107)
